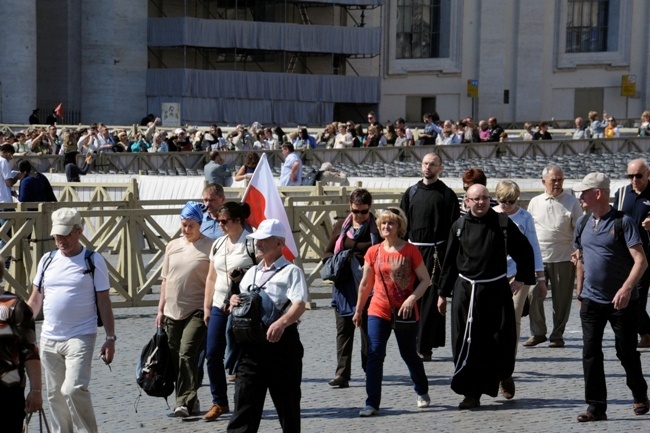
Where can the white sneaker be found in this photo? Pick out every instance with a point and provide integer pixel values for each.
(181, 412)
(423, 401)
(367, 411)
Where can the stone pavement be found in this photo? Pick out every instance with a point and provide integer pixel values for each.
(549, 393)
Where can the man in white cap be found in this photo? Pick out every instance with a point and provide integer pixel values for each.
(327, 174)
(612, 255)
(276, 364)
(76, 284)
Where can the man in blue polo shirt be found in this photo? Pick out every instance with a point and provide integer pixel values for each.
(634, 201)
(614, 261)
(213, 198)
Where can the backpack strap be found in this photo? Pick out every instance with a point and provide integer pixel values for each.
(216, 246)
(618, 228)
(46, 264)
(90, 266)
(251, 250)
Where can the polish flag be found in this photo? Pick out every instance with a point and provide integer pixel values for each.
(59, 110)
(264, 199)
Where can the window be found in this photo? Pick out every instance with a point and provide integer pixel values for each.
(587, 26)
(419, 32)
(593, 32)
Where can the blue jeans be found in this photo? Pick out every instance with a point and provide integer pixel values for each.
(215, 350)
(378, 332)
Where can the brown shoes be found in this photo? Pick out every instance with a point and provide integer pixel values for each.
(644, 342)
(215, 412)
(507, 387)
(556, 343)
(591, 416)
(535, 340)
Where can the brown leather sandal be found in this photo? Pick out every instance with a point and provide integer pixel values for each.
(590, 416)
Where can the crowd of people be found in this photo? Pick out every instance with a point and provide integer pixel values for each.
(487, 253)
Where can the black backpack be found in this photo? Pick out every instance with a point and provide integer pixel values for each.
(155, 372)
(254, 314)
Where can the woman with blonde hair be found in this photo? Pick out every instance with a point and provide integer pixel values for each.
(390, 271)
(507, 193)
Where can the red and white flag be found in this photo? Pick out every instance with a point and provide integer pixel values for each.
(264, 199)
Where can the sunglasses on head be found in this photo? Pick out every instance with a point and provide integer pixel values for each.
(635, 176)
(360, 211)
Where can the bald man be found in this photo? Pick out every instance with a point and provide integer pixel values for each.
(483, 329)
(634, 201)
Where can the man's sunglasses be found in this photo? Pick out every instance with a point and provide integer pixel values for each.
(635, 176)
(361, 211)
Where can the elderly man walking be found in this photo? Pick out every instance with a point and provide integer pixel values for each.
(634, 201)
(75, 295)
(556, 213)
(612, 255)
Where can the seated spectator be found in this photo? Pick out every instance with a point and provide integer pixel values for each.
(158, 144)
(327, 174)
(483, 131)
(21, 146)
(344, 138)
(326, 138)
(401, 140)
(612, 130)
(260, 143)
(470, 131)
(270, 140)
(240, 139)
(246, 171)
(140, 144)
(644, 129)
(122, 144)
(528, 132)
(104, 139)
(304, 140)
(448, 136)
(372, 138)
(597, 127)
(390, 135)
(503, 137)
(581, 132)
(542, 132)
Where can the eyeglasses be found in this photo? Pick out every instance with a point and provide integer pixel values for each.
(481, 198)
(360, 211)
(510, 202)
(223, 222)
(635, 176)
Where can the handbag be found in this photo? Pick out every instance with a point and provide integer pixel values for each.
(42, 420)
(398, 323)
(336, 268)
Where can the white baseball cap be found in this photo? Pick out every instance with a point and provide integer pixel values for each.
(64, 220)
(268, 228)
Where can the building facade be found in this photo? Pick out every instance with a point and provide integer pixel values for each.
(311, 62)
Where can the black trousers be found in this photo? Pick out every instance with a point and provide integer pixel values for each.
(594, 317)
(643, 285)
(345, 344)
(12, 408)
(432, 325)
(276, 367)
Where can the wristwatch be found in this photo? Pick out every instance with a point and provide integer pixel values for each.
(111, 337)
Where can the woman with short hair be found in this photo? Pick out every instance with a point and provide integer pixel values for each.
(390, 270)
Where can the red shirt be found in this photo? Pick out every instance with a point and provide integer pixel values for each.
(398, 270)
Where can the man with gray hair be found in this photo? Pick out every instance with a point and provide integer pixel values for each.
(274, 364)
(556, 213)
(634, 201)
(76, 293)
(613, 259)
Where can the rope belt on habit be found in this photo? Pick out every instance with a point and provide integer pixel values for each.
(467, 336)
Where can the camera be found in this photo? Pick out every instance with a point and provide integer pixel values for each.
(236, 273)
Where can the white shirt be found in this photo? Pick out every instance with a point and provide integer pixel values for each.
(5, 173)
(225, 260)
(69, 305)
(287, 284)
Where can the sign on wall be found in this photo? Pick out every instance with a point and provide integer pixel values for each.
(628, 85)
(171, 113)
